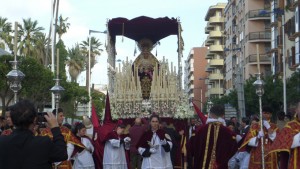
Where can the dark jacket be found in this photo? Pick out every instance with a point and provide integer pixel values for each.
(135, 133)
(23, 150)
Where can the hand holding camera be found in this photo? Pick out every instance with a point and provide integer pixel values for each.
(51, 119)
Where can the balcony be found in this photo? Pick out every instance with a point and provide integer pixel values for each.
(215, 34)
(216, 76)
(208, 68)
(216, 19)
(208, 28)
(263, 59)
(216, 62)
(216, 48)
(209, 55)
(216, 90)
(209, 41)
(255, 15)
(264, 36)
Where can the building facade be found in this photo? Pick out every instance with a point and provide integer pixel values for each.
(195, 66)
(215, 43)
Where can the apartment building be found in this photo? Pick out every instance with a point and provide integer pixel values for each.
(195, 74)
(291, 41)
(215, 43)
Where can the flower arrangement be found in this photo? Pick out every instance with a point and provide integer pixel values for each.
(183, 112)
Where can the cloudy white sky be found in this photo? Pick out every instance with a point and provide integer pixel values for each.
(93, 14)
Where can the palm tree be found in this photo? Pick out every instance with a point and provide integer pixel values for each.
(41, 48)
(29, 32)
(95, 50)
(75, 62)
(5, 30)
(62, 26)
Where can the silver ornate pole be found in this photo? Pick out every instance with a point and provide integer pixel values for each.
(259, 85)
(57, 89)
(15, 76)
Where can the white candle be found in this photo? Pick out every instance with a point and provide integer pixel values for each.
(257, 58)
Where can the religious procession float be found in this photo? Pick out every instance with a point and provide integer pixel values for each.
(146, 85)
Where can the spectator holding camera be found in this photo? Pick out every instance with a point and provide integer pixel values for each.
(22, 149)
(73, 144)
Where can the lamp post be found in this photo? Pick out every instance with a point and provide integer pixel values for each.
(57, 89)
(281, 12)
(15, 76)
(89, 69)
(259, 85)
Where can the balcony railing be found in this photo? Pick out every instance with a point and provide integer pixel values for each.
(259, 35)
(256, 14)
(262, 58)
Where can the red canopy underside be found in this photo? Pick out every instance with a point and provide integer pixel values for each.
(143, 27)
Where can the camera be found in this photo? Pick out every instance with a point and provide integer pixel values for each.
(41, 118)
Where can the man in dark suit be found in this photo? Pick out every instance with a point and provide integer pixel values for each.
(23, 150)
(175, 137)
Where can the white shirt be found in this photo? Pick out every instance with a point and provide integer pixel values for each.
(114, 155)
(158, 160)
(84, 159)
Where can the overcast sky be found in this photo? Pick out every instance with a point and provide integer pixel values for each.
(93, 14)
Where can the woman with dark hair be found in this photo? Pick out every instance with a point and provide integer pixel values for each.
(83, 159)
(155, 146)
(22, 149)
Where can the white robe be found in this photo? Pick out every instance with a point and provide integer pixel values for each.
(114, 155)
(84, 159)
(158, 160)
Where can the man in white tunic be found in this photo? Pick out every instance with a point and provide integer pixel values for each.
(114, 150)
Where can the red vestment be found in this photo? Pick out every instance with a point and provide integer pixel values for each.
(255, 152)
(147, 137)
(69, 138)
(214, 145)
(283, 143)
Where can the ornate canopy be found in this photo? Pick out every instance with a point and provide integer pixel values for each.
(143, 27)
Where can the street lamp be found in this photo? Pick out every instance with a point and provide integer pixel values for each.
(57, 90)
(259, 86)
(89, 69)
(15, 76)
(280, 12)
